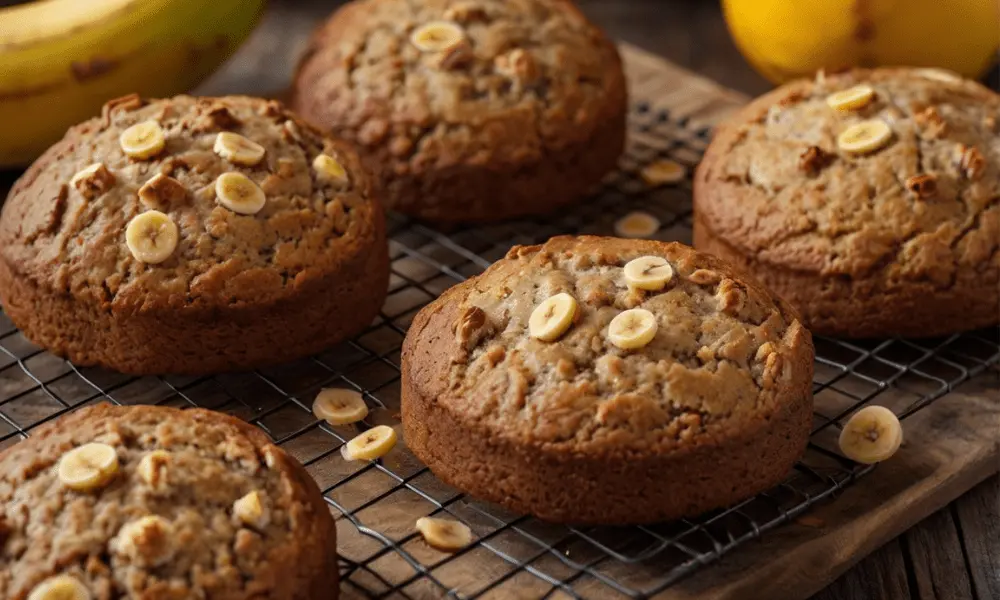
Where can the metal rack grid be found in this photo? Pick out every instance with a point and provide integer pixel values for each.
(514, 555)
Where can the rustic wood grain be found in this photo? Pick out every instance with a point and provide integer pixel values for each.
(881, 577)
(936, 559)
(979, 522)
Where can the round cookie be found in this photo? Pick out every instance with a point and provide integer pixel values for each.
(710, 407)
(155, 502)
(192, 235)
(890, 229)
(473, 110)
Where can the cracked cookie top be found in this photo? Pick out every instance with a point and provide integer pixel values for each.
(725, 356)
(917, 199)
(65, 223)
(191, 504)
(446, 82)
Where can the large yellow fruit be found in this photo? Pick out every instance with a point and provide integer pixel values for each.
(786, 39)
(60, 60)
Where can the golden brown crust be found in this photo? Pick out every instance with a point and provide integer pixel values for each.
(239, 291)
(902, 241)
(213, 460)
(578, 430)
(529, 120)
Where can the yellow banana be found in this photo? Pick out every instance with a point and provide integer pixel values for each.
(60, 60)
(786, 39)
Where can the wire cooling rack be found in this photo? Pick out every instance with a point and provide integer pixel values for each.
(514, 556)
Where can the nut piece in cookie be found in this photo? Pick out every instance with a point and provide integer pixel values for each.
(93, 181)
(162, 192)
(147, 541)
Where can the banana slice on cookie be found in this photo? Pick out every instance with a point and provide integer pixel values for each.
(338, 406)
(237, 149)
(632, 329)
(871, 435)
(60, 587)
(851, 99)
(250, 510)
(444, 534)
(239, 193)
(865, 137)
(651, 273)
(372, 444)
(328, 168)
(142, 140)
(88, 467)
(552, 318)
(437, 36)
(152, 237)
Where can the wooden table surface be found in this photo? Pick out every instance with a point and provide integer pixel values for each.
(954, 554)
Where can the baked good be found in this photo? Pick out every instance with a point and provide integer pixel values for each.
(472, 110)
(870, 200)
(156, 502)
(192, 235)
(624, 403)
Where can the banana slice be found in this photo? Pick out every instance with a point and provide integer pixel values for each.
(632, 329)
(637, 224)
(338, 406)
(437, 36)
(151, 237)
(943, 75)
(239, 193)
(664, 172)
(648, 273)
(142, 140)
(250, 510)
(552, 318)
(372, 444)
(871, 435)
(329, 168)
(237, 149)
(852, 98)
(88, 467)
(444, 534)
(60, 587)
(865, 137)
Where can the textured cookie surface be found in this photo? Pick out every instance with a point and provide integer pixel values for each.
(171, 531)
(524, 111)
(579, 429)
(316, 248)
(889, 241)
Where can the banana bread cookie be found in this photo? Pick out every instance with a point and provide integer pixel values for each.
(472, 110)
(154, 502)
(192, 235)
(602, 380)
(870, 200)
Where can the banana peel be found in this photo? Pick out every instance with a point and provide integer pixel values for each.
(788, 39)
(60, 60)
